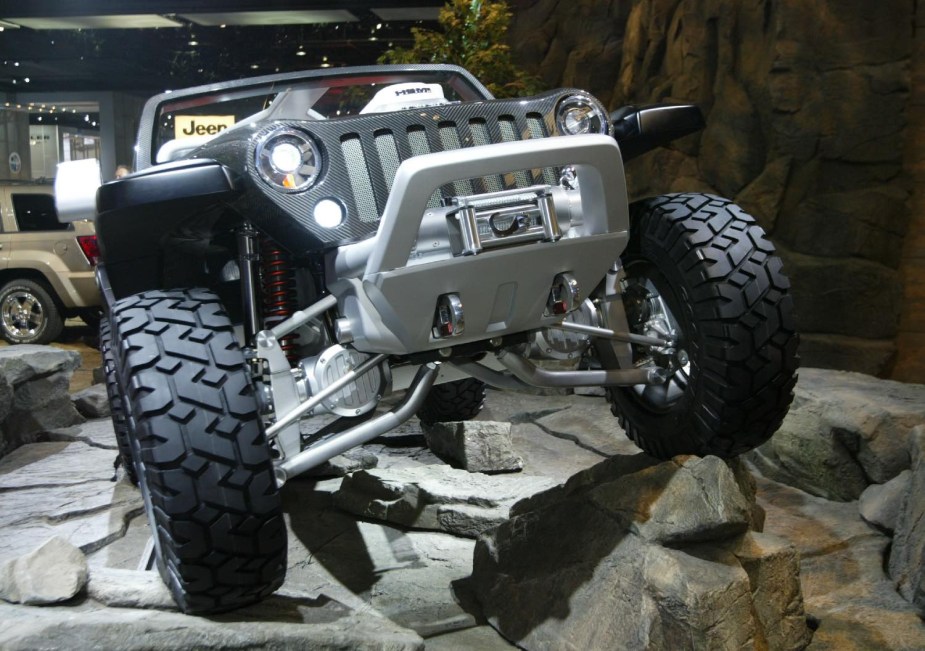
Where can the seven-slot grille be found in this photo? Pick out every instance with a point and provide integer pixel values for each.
(373, 159)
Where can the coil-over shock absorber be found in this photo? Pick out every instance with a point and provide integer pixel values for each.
(279, 292)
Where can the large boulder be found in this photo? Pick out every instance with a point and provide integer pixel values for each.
(657, 558)
(34, 393)
(844, 432)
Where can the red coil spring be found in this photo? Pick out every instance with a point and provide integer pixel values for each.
(279, 293)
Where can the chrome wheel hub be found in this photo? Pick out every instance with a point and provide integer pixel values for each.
(22, 314)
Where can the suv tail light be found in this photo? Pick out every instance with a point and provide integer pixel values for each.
(90, 247)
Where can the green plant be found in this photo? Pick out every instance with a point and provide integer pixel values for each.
(473, 35)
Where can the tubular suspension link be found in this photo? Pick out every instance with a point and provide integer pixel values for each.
(279, 293)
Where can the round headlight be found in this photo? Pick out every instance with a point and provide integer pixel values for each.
(580, 113)
(288, 160)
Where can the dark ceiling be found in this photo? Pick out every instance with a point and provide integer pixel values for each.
(148, 46)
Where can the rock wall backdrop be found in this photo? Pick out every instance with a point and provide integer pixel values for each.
(812, 125)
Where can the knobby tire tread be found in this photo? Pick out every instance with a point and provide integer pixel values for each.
(453, 401)
(734, 293)
(120, 424)
(202, 458)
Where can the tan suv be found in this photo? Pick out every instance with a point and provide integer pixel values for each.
(46, 267)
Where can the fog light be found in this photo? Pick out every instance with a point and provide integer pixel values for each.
(328, 213)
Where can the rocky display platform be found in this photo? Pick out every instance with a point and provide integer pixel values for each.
(404, 551)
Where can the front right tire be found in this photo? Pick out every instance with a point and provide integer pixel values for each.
(202, 461)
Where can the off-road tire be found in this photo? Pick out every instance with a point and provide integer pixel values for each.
(120, 424)
(44, 321)
(202, 460)
(453, 401)
(719, 275)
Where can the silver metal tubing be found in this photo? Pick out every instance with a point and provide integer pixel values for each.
(324, 450)
(539, 377)
(610, 334)
(490, 376)
(302, 317)
(316, 399)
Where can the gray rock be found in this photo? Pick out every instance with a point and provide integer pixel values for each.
(92, 402)
(476, 446)
(688, 499)
(438, 498)
(844, 431)
(25, 362)
(696, 600)
(33, 393)
(55, 572)
(281, 622)
(907, 558)
(129, 589)
(880, 503)
(583, 567)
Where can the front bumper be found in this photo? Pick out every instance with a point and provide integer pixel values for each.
(390, 304)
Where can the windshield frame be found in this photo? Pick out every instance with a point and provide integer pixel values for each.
(460, 81)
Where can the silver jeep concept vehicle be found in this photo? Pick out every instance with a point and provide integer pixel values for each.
(305, 244)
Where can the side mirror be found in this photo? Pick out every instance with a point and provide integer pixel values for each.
(638, 130)
(75, 189)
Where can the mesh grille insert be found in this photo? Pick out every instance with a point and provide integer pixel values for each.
(388, 156)
(480, 137)
(359, 178)
(537, 130)
(449, 138)
(509, 134)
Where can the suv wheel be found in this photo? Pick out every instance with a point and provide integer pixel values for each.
(700, 266)
(28, 313)
(202, 462)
